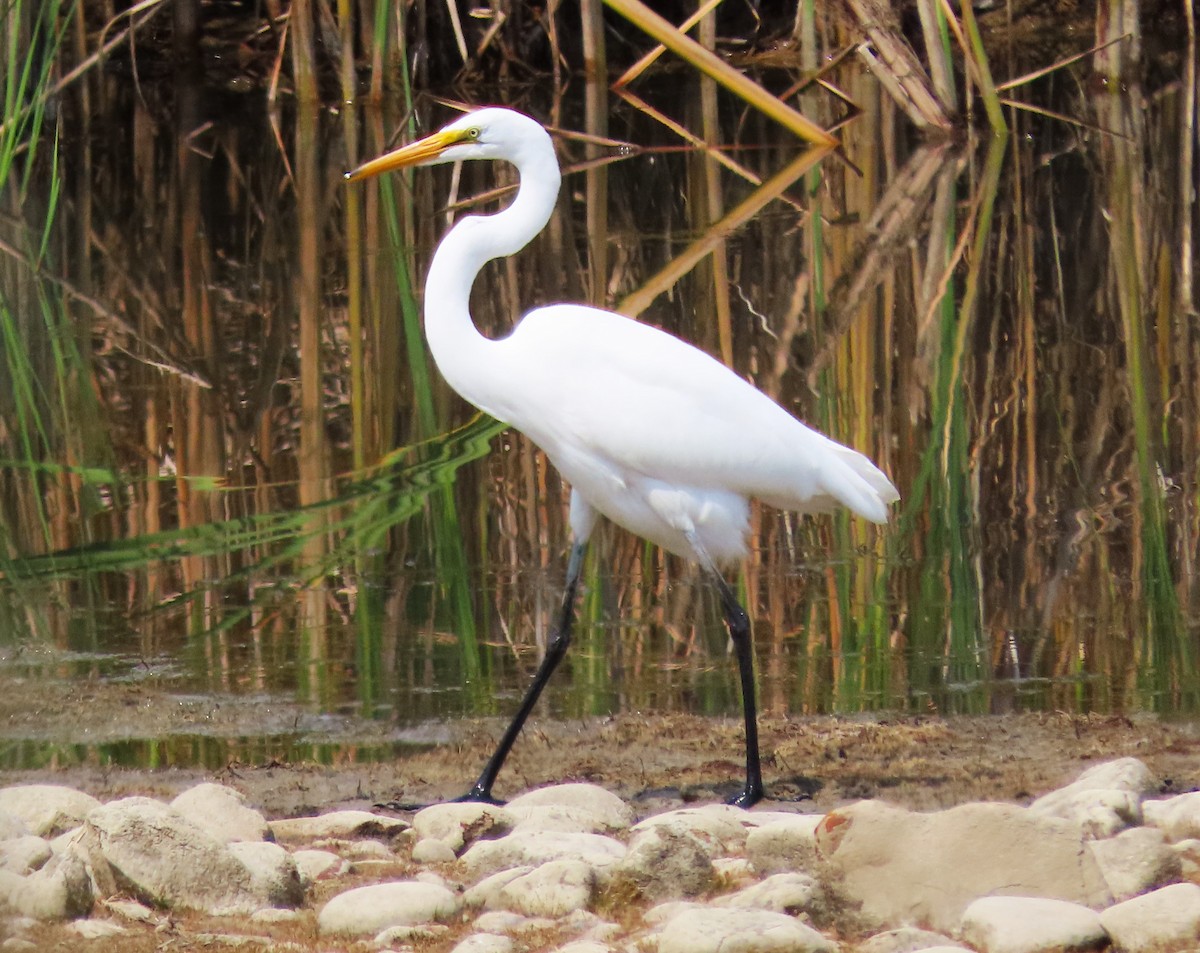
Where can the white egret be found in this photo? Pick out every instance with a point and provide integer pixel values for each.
(648, 430)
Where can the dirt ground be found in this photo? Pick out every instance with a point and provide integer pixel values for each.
(810, 764)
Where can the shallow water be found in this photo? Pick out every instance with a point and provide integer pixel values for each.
(209, 375)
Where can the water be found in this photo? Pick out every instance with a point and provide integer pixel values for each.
(201, 509)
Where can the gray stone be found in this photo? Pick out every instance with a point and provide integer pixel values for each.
(1031, 925)
(367, 911)
(664, 862)
(337, 824)
(222, 812)
(740, 931)
(47, 809)
(904, 867)
(1165, 921)
(785, 845)
(433, 851)
(168, 861)
(1135, 861)
(721, 828)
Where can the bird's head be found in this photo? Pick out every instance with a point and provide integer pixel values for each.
(490, 133)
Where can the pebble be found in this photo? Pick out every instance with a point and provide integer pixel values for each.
(534, 873)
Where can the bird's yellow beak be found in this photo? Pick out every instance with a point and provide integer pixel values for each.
(412, 154)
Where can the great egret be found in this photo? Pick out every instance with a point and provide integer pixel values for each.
(649, 431)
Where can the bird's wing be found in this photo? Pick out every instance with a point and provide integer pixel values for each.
(639, 400)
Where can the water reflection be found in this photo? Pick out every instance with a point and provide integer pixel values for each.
(210, 372)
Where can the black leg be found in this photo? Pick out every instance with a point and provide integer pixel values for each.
(739, 631)
(481, 790)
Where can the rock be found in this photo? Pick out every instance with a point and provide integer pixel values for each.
(432, 851)
(721, 828)
(20, 855)
(1031, 925)
(276, 915)
(59, 890)
(1188, 852)
(583, 946)
(501, 921)
(486, 893)
(168, 861)
(1135, 861)
(12, 826)
(1164, 921)
(1177, 817)
(907, 940)
(554, 889)
(538, 847)
(223, 813)
(904, 867)
(663, 862)
(360, 850)
(784, 845)
(274, 877)
(314, 865)
(132, 910)
(607, 811)
(460, 824)
(337, 824)
(367, 911)
(47, 809)
(740, 931)
(485, 943)
(97, 929)
(415, 932)
(783, 893)
(1103, 800)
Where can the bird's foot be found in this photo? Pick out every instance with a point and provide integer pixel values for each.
(750, 795)
(478, 794)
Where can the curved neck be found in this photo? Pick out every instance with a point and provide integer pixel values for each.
(466, 358)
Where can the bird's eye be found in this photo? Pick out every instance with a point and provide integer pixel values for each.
(473, 132)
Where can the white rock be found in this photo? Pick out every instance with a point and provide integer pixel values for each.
(583, 946)
(721, 828)
(97, 929)
(433, 851)
(59, 890)
(314, 865)
(783, 893)
(1188, 852)
(1135, 861)
(733, 870)
(458, 824)
(557, 817)
(47, 809)
(276, 915)
(905, 867)
(167, 860)
(337, 824)
(608, 811)
(1164, 921)
(907, 940)
(1099, 812)
(501, 921)
(740, 931)
(222, 812)
(663, 862)
(12, 826)
(486, 893)
(1030, 925)
(788, 844)
(485, 943)
(539, 847)
(554, 889)
(274, 877)
(663, 913)
(367, 911)
(412, 932)
(1177, 817)
(359, 850)
(132, 910)
(20, 855)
